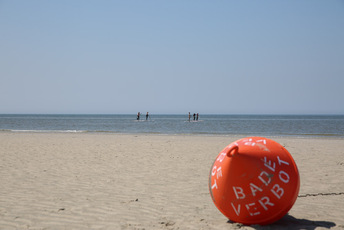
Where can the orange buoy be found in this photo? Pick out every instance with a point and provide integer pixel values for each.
(254, 180)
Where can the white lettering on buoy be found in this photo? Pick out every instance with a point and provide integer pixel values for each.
(260, 143)
(254, 189)
(253, 208)
(282, 161)
(221, 157)
(237, 211)
(248, 207)
(277, 191)
(270, 165)
(239, 192)
(284, 178)
(214, 185)
(213, 171)
(249, 142)
(219, 173)
(264, 201)
(265, 178)
(262, 140)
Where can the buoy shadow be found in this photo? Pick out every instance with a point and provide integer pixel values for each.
(290, 222)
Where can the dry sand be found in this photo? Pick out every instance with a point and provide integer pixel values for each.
(114, 181)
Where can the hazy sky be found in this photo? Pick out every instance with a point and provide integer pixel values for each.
(172, 56)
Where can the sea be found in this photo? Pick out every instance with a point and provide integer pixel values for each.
(208, 124)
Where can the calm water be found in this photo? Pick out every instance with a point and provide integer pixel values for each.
(263, 125)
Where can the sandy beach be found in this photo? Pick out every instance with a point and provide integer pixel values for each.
(122, 181)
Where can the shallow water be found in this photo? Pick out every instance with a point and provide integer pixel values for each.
(264, 125)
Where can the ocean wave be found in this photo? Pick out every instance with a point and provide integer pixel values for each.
(43, 131)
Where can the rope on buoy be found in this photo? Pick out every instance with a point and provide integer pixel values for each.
(322, 194)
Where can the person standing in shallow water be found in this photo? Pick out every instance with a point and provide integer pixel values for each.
(189, 116)
(197, 117)
(147, 115)
(194, 116)
(138, 116)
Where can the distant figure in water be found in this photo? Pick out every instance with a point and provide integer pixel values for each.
(197, 117)
(138, 116)
(147, 115)
(189, 116)
(194, 116)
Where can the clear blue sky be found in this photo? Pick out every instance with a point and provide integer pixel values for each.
(173, 56)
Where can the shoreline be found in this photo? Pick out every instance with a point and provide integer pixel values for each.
(148, 181)
(239, 135)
